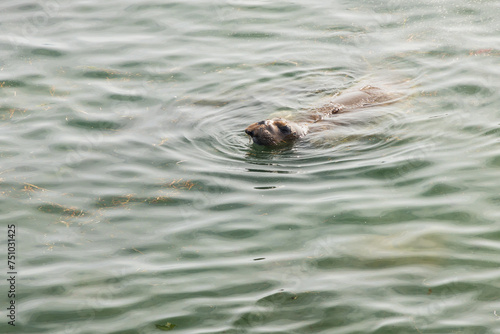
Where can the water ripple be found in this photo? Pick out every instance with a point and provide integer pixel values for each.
(141, 204)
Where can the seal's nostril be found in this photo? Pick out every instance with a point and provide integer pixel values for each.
(248, 132)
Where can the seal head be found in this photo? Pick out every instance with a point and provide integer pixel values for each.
(275, 131)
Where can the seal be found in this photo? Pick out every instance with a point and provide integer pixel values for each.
(278, 131)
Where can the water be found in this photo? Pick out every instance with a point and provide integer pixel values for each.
(138, 200)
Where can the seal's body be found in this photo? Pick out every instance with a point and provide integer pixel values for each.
(277, 131)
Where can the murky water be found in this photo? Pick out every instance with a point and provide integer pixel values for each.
(140, 203)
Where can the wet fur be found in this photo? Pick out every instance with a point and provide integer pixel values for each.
(278, 130)
(275, 131)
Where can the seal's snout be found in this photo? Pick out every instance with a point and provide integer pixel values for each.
(249, 132)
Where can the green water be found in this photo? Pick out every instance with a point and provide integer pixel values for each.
(139, 201)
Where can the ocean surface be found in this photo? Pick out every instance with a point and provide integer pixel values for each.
(140, 206)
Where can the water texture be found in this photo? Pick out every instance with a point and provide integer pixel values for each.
(140, 203)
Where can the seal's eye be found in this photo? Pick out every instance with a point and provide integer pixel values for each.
(285, 129)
